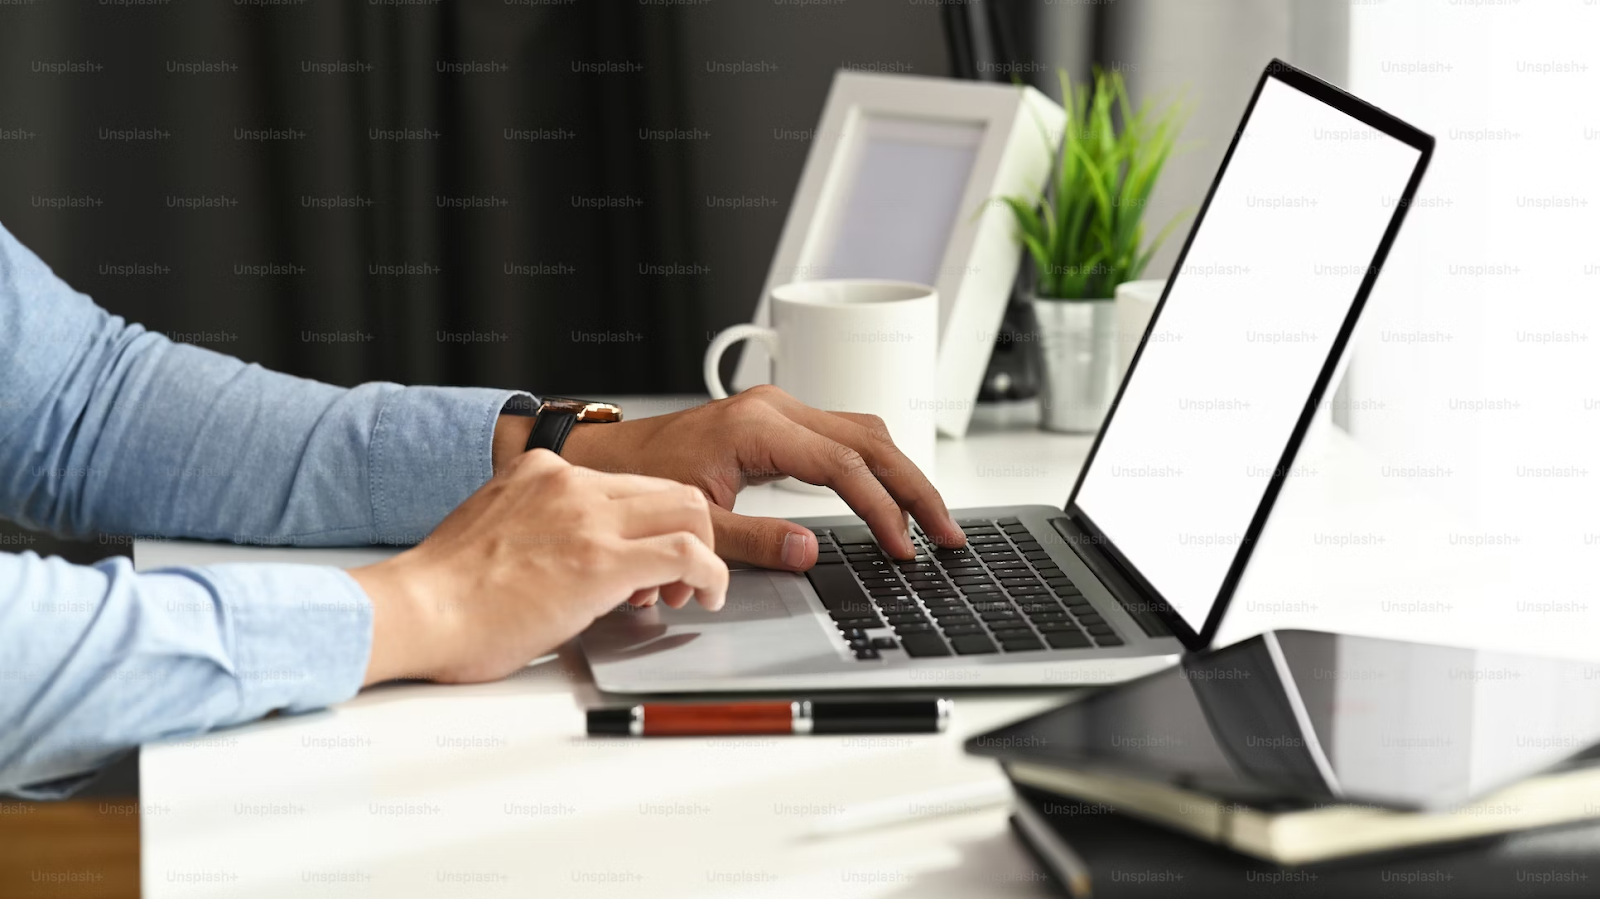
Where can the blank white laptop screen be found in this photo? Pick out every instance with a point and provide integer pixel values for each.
(1248, 322)
(901, 193)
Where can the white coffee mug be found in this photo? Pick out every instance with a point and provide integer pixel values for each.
(852, 346)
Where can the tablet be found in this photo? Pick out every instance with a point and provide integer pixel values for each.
(1321, 717)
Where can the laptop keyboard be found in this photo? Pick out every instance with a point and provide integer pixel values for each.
(999, 593)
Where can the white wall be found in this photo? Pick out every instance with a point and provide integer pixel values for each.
(1477, 370)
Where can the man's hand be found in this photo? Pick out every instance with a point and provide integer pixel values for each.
(528, 561)
(764, 434)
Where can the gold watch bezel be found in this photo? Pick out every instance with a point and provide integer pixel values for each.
(584, 410)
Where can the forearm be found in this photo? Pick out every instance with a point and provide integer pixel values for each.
(97, 660)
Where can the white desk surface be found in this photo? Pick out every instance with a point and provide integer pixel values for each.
(491, 790)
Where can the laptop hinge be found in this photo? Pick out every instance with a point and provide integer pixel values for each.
(1140, 609)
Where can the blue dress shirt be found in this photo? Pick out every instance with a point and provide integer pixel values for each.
(108, 428)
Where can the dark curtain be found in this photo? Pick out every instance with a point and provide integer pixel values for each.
(459, 193)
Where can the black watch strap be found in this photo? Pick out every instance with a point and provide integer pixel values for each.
(550, 429)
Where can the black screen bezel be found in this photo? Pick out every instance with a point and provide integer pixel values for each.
(1097, 541)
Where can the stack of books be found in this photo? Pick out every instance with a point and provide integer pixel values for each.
(1400, 770)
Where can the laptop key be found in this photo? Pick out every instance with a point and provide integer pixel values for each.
(906, 618)
(998, 616)
(997, 606)
(972, 645)
(972, 579)
(1022, 644)
(1035, 555)
(1046, 627)
(921, 627)
(923, 645)
(1073, 639)
(1108, 639)
(1100, 630)
(884, 643)
(1017, 581)
(1028, 590)
(835, 586)
(1088, 618)
(852, 533)
(981, 589)
(867, 653)
(1012, 633)
(963, 630)
(854, 608)
(863, 623)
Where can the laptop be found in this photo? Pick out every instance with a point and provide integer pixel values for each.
(1140, 563)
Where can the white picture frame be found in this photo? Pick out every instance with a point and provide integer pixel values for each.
(1009, 132)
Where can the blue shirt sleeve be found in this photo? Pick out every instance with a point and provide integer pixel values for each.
(95, 660)
(108, 428)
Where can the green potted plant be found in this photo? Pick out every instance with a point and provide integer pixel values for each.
(1084, 234)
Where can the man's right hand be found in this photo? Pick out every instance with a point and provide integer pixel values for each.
(528, 561)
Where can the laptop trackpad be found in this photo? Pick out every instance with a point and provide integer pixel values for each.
(766, 627)
(752, 596)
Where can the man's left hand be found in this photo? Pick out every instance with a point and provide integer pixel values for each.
(761, 435)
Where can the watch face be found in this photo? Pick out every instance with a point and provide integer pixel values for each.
(585, 410)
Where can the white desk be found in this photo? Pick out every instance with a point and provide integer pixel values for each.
(421, 790)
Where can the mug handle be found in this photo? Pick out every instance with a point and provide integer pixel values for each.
(728, 338)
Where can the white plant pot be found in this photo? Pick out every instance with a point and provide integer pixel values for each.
(1077, 362)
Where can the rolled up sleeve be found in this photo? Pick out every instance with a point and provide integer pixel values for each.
(100, 659)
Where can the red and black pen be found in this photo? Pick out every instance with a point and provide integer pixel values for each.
(660, 719)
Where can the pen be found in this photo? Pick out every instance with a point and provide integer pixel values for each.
(656, 719)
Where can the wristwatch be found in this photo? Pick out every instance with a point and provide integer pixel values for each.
(556, 416)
